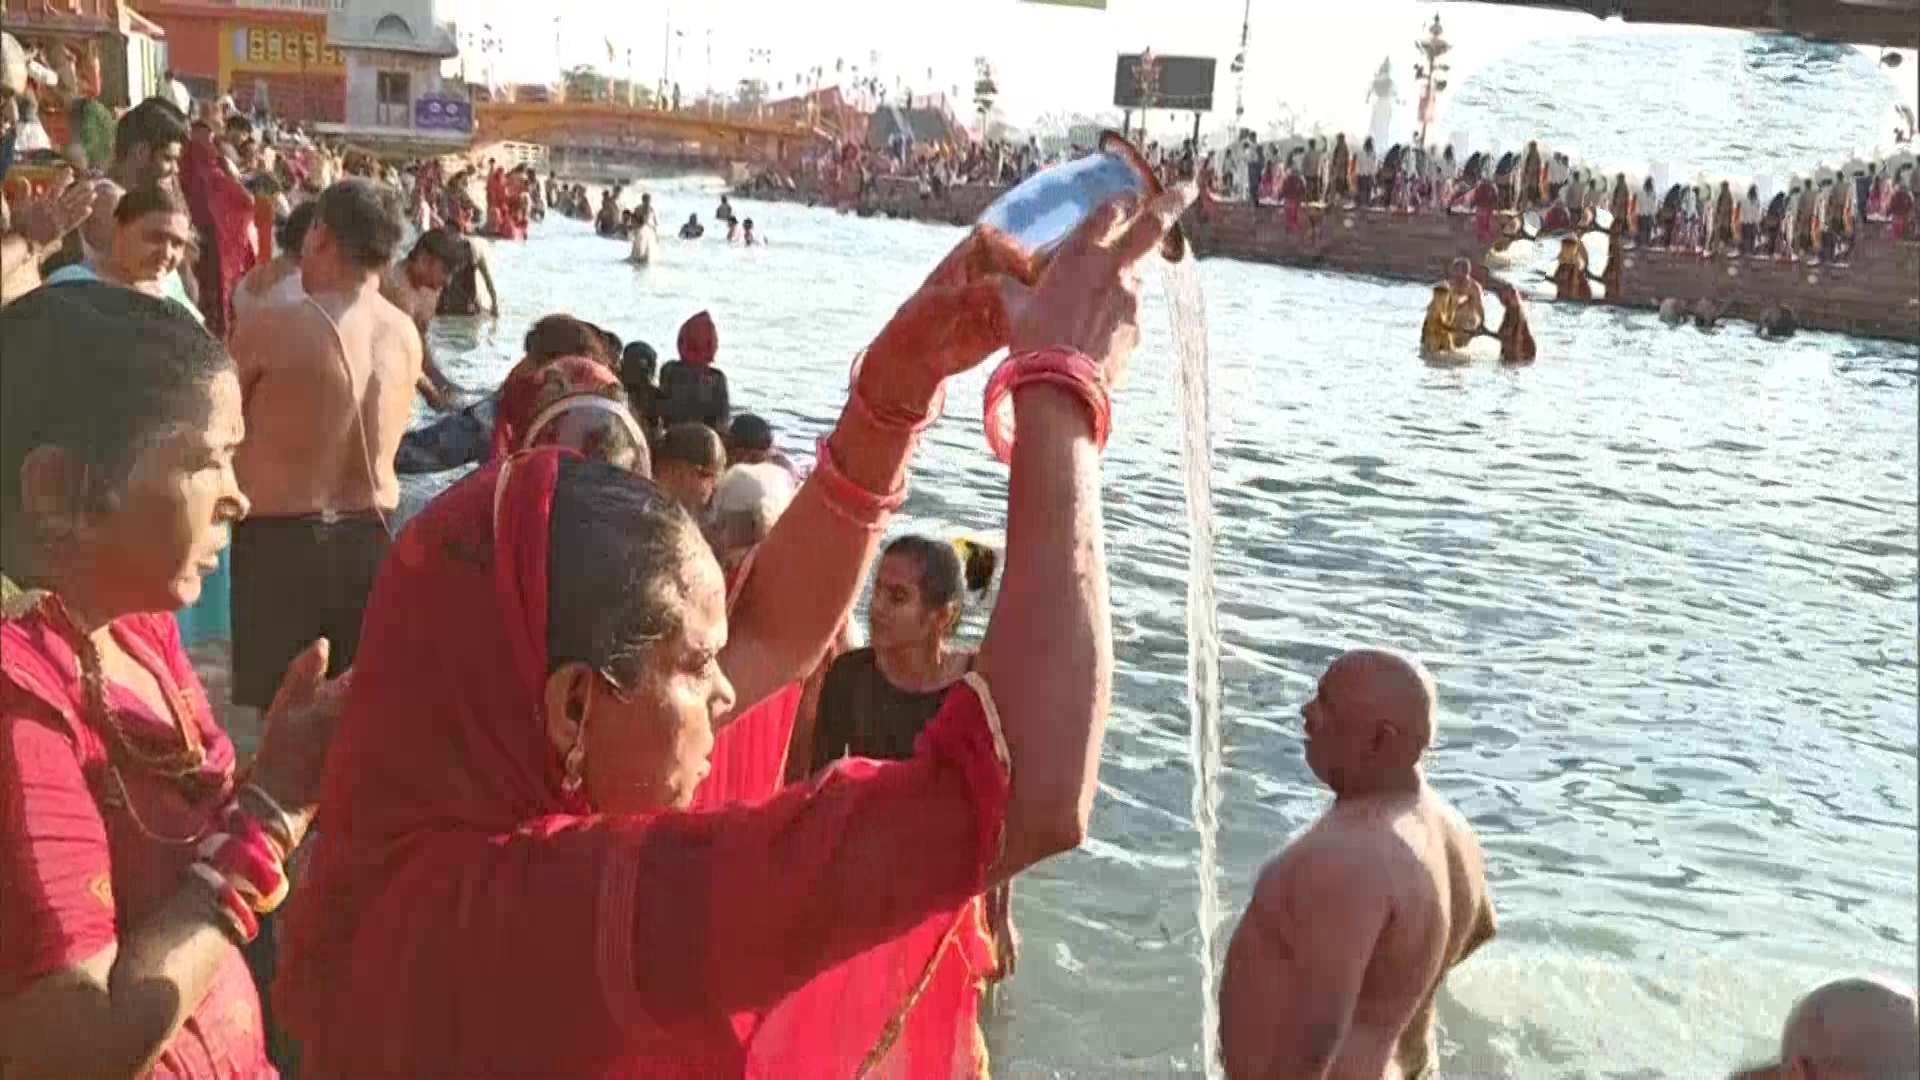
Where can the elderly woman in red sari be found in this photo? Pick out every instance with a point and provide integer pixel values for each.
(135, 858)
(506, 886)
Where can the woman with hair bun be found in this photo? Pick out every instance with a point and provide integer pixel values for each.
(876, 701)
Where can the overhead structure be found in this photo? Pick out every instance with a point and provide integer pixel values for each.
(1886, 23)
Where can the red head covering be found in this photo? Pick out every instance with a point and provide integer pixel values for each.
(529, 389)
(463, 917)
(699, 340)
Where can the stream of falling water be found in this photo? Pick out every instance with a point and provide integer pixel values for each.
(1187, 315)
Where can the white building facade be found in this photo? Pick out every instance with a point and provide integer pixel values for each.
(392, 51)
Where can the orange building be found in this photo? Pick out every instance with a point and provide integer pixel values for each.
(253, 49)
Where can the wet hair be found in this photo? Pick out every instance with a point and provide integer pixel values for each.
(154, 123)
(443, 245)
(100, 372)
(361, 221)
(152, 199)
(748, 431)
(555, 336)
(692, 444)
(638, 362)
(616, 560)
(946, 575)
(291, 234)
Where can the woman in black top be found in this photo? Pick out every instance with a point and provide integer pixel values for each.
(875, 701)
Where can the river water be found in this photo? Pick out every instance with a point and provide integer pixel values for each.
(1665, 580)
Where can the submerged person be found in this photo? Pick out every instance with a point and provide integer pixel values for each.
(1865, 1028)
(1469, 302)
(120, 946)
(692, 389)
(1336, 963)
(1571, 278)
(1436, 329)
(692, 230)
(508, 887)
(462, 294)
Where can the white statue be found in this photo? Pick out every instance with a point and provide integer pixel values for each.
(1381, 95)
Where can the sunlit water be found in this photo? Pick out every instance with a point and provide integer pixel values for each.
(1665, 579)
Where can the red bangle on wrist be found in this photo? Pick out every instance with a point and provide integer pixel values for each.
(248, 860)
(892, 417)
(228, 905)
(1067, 369)
(848, 500)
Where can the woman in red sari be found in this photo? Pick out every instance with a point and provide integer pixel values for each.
(134, 856)
(505, 886)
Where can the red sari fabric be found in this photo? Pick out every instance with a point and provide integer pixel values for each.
(750, 754)
(462, 917)
(222, 209)
(77, 867)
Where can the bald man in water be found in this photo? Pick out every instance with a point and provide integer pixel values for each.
(1856, 1029)
(1333, 969)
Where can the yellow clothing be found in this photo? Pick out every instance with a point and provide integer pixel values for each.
(1436, 333)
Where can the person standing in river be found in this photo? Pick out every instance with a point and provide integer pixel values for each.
(1335, 965)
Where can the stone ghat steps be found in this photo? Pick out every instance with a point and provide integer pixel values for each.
(1876, 295)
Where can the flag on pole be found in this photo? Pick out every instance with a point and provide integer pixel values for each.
(610, 52)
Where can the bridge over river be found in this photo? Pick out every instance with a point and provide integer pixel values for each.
(609, 132)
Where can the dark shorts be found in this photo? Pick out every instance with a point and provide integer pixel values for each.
(296, 579)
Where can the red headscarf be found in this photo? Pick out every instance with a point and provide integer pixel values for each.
(463, 917)
(699, 341)
(530, 388)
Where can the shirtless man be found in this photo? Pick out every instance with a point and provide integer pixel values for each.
(327, 379)
(1335, 965)
(1859, 1027)
(1469, 301)
(414, 285)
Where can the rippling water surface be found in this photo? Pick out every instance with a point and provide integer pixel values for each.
(1666, 581)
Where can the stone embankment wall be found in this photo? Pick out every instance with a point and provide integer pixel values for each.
(1876, 295)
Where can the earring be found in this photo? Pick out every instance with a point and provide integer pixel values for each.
(575, 774)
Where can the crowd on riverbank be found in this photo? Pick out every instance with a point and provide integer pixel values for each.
(540, 857)
(1816, 215)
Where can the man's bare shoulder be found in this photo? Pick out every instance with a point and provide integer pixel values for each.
(1330, 860)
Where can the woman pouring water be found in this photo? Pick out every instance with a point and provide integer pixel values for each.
(506, 885)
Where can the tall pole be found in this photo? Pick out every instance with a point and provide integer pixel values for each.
(559, 62)
(666, 55)
(1240, 69)
(709, 71)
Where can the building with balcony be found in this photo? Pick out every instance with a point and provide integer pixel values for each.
(393, 51)
(267, 53)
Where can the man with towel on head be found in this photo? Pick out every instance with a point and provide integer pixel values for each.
(1333, 969)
